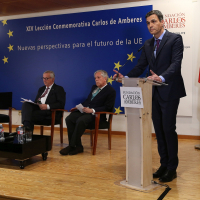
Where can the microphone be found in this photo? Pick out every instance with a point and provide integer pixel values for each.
(116, 79)
(139, 49)
(133, 55)
(150, 61)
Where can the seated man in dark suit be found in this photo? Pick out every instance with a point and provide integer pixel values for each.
(50, 96)
(101, 98)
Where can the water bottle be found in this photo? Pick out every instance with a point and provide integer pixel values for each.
(1, 133)
(20, 135)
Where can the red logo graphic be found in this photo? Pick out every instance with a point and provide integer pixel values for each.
(176, 20)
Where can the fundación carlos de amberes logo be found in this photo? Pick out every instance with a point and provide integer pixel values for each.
(176, 20)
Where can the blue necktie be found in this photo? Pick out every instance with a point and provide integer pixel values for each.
(95, 93)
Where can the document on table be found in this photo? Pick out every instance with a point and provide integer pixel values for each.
(80, 107)
(28, 100)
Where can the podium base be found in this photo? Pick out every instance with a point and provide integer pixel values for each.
(141, 189)
(197, 146)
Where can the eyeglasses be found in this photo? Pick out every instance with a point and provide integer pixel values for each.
(45, 78)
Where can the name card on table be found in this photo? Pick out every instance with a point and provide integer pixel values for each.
(131, 97)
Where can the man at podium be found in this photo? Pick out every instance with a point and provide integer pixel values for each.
(163, 54)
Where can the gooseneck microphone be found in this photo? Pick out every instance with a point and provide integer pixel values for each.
(128, 60)
(139, 49)
(148, 68)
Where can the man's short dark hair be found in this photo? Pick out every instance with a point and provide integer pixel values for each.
(155, 12)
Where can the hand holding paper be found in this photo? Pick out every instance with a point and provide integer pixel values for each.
(80, 107)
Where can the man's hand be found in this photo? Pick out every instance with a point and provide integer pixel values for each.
(43, 106)
(87, 110)
(117, 75)
(154, 77)
(73, 109)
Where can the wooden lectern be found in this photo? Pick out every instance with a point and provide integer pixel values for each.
(139, 173)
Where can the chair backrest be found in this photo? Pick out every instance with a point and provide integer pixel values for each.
(5, 100)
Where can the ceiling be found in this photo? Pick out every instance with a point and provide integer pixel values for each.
(17, 7)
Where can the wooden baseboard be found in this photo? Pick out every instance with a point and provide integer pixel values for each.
(190, 137)
(65, 129)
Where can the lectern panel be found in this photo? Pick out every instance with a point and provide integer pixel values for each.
(138, 138)
(134, 150)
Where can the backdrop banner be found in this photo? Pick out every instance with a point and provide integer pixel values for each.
(74, 46)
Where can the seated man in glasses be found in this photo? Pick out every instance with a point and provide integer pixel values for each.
(49, 96)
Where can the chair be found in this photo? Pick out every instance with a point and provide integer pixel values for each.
(6, 103)
(100, 125)
(51, 121)
(96, 126)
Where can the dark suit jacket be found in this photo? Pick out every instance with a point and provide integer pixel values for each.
(167, 64)
(56, 98)
(103, 101)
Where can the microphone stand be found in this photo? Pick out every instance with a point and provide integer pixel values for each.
(127, 61)
(150, 62)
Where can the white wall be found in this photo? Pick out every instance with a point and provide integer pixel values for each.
(190, 125)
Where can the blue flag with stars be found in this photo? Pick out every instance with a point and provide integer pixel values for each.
(74, 46)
